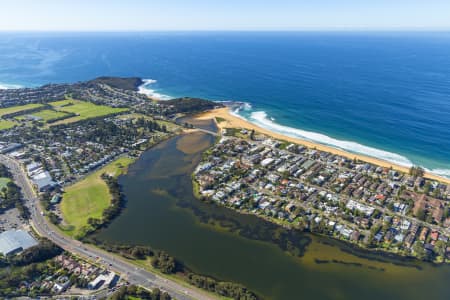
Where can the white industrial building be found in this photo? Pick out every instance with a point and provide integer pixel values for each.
(14, 241)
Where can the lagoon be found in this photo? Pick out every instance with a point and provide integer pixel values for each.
(274, 262)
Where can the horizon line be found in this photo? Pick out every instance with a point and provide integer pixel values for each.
(360, 30)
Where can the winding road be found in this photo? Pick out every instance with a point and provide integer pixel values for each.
(133, 274)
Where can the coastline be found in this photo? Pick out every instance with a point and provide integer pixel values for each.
(228, 120)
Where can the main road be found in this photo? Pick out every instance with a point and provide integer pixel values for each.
(133, 274)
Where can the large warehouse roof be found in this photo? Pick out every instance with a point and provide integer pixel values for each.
(13, 241)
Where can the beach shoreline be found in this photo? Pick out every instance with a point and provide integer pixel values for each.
(228, 120)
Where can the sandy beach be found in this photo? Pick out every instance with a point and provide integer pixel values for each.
(232, 121)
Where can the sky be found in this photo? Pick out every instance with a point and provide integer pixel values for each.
(150, 15)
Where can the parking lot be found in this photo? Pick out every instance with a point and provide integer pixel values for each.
(11, 219)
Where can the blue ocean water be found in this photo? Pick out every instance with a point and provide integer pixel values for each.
(382, 94)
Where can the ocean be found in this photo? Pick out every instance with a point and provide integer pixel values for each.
(386, 95)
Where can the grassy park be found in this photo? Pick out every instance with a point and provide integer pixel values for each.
(45, 115)
(75, 110)
(89, 197)
(48, 114)
(83, 110)
(15, 109)
(6, 124)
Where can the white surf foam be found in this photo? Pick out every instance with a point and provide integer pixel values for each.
(149, 81)
(6, 86)
(240, 107)
(247, 106)
(260, 118)
(439, 172)
(146, 89)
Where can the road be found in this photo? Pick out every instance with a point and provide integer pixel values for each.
(133, 274)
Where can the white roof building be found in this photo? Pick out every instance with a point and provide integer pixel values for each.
(14, 241)
(267, 162)
(43, 181)
(101, 280)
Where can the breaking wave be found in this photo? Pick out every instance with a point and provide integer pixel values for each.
(238, 107)
(147, 89)
(260, 118)
(7, 86)
(439, 172)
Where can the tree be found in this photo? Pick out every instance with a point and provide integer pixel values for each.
(252, 134)
(427, 188)
(390, 205)
(416, 171)
(440, 248)
(156, 293)
(4, 171)
(421, 214)
(41, 252)
(164, 262)
(53, 218)
(419, 250)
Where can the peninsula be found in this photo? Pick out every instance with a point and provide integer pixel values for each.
(371, 203)
(230, 120)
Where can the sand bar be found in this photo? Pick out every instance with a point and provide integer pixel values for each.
(232, 121)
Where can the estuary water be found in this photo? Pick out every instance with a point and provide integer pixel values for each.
(276, 263)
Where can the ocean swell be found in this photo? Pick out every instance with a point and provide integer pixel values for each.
(147, 89)
(260, 118)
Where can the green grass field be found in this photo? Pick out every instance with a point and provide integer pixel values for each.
(3, 182)
(89, 197)
(14, 109)
(6, 124)
(169, 125)
(48, 114)
(84, 110)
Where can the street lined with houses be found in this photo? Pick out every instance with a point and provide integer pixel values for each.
(133, 274)
(351, 200)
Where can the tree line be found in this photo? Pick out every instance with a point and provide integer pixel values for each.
(416, 171)
(24, 267)
(226, 289)
(167, 264)
(39, 253)
(11, 194)
(132, 292)
(188, 105)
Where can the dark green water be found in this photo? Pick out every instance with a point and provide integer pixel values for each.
(163, 213)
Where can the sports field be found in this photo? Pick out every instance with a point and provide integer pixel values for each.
(89, 197)
(14, 109)
(6, 124)
(83, 109)
(48, 114)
